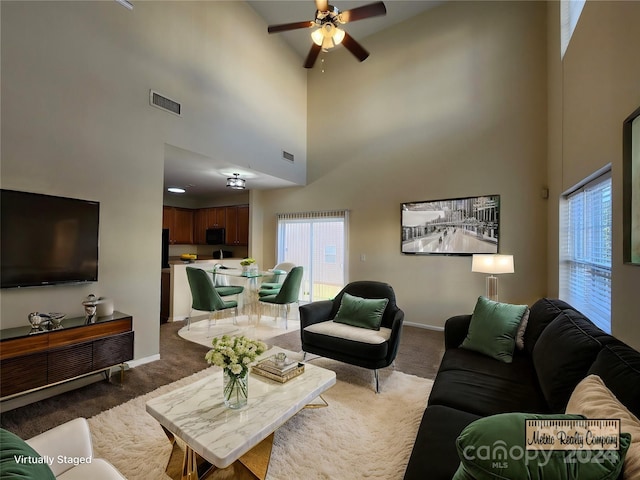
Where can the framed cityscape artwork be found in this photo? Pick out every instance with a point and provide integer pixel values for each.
(454, 226)
(631, 188)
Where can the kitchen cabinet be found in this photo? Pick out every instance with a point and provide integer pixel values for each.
(165, 296)
(237, 225)
(179, 221)
(205, 218)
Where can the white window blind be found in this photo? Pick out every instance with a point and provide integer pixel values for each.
(585, 271)
(318, 242)
(570, 11)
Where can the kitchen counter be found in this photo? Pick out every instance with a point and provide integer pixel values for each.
(179, 292)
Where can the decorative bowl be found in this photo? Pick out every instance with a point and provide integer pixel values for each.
(35, 320)
(56, 319)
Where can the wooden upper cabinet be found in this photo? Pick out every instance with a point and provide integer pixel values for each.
(237, 225)
(168, 215)
(189, 227)
(204, 218)
(179, 221)
(217, 217)
(200, 225)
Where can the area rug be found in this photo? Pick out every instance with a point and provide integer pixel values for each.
(360, 434)
(203, 331)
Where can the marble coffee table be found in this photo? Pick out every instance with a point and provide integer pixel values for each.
(197, 415)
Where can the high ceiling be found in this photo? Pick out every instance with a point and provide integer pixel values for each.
(206, 177)
(288, 11)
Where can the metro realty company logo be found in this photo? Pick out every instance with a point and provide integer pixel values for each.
(573, 434)
(576, 440)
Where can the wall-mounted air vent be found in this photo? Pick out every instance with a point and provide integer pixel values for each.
(287, 156)
(160, 101)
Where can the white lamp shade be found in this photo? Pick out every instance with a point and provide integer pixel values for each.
(492, 263)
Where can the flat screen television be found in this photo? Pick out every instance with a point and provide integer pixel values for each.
(47, 240)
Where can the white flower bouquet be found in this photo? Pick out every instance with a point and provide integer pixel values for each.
(235, 355)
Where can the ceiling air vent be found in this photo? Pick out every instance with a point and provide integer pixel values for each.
(287, 156)
(160, 101)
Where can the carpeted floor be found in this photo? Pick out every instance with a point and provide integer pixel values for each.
(316, 444)
(419, 354)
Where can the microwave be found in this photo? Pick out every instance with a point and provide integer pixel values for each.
(215, 236)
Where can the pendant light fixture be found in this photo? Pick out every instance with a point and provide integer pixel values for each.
(236, 182)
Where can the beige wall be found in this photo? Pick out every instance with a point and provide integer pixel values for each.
(596, 87)
(76, 122)
(450, 104)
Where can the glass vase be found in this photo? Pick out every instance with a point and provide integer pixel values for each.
(235, 389)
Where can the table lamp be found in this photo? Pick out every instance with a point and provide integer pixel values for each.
(492, 264)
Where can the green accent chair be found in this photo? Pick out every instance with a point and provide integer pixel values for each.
(288, 294)
(205, 297)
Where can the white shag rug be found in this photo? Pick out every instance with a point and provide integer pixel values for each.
(203, 331)
(360, 435)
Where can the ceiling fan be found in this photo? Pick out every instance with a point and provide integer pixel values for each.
(328, 34)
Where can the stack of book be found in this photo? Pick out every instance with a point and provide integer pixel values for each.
(278, 371)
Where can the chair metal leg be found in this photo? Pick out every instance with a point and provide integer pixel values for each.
(375, 374)
(189, 320)
(304, 356)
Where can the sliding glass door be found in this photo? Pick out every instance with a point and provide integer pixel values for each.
(318, 242)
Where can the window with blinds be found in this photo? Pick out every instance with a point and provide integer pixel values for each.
(570, 11)
(318, 242)
(585, 269)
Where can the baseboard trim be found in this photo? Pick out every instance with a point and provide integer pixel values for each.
(426, 327)
(141, 361)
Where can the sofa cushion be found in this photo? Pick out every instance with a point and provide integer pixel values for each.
(357, 334)
(494, 447)
(493, 328)
(562, 356)
(361, 312)
(618, 365)
(18, 460)
(475, 383)
(542, 313)
(436, 440)
(344, 349)
(593, 399)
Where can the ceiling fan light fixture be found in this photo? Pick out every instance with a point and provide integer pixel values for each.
(236, 182)
(317, 37)
(327, 36)
(338, 36)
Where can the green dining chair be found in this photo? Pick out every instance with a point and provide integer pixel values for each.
(226, 290)
(271, 285)
(204, 296)
(288, 294)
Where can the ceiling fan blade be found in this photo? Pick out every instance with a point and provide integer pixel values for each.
(354, 47)
(289, 26)
(322, 5)
(366, 11)
(313, 55)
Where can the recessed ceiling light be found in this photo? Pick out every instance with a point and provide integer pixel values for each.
(176, 190)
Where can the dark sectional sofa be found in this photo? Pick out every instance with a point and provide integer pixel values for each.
(561, 347)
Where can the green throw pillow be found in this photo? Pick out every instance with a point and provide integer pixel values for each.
(494, 448)
(18, 460)
(493, 329)
(361, 312)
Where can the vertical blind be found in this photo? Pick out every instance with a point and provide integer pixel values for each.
(318, 242)
(585, 280)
